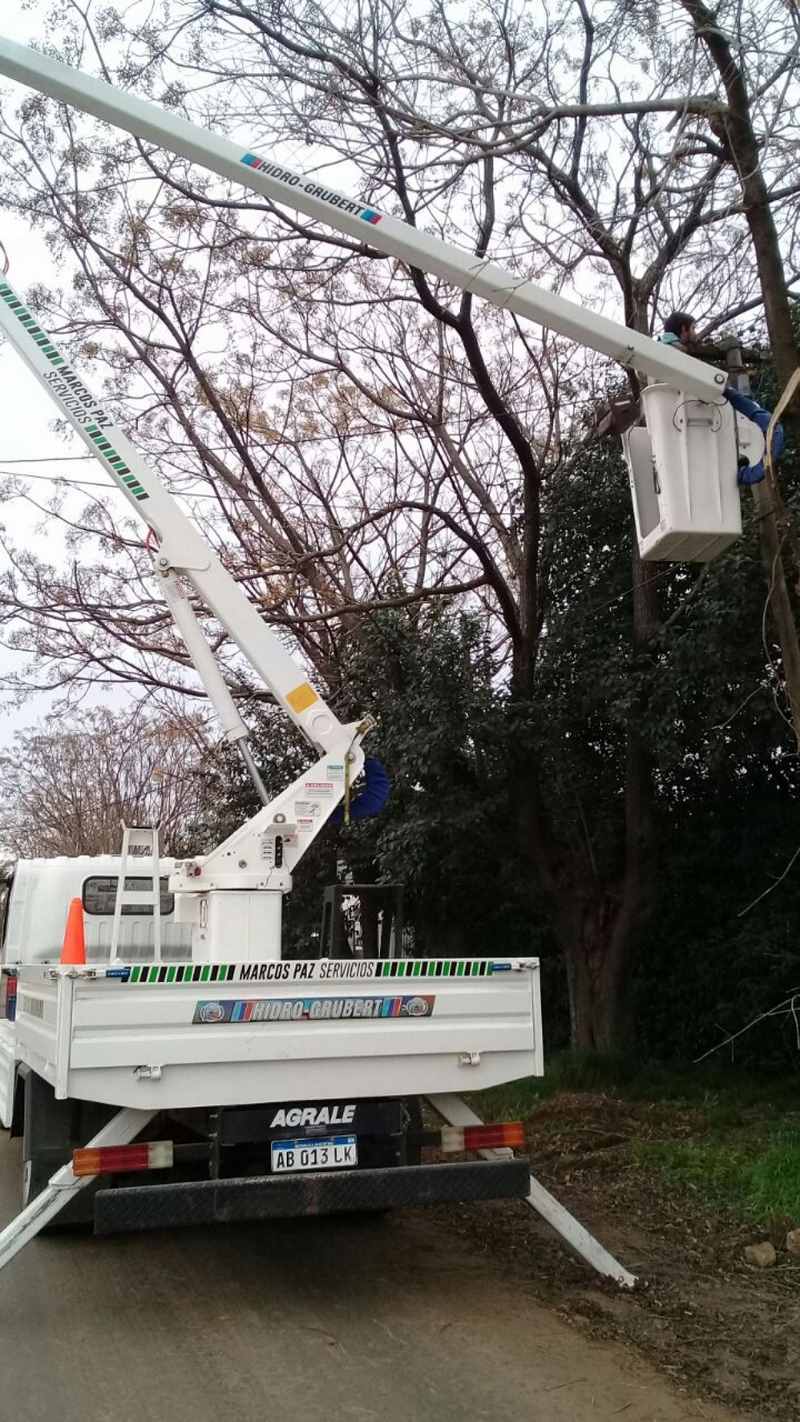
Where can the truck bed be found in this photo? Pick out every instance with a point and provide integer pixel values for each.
(170, 1035)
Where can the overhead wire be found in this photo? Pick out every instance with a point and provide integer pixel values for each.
(91, 483)
(53, 459)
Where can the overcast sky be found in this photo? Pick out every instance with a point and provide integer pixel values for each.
(27, 413)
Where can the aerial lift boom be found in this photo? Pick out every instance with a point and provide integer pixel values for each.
(234, 887)
(260, 855)
(387, 234)
(682, 461)
(670, 495)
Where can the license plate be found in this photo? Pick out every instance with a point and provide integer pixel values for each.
(332, 1153)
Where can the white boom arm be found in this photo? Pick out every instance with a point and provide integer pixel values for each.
(258, 857)
(181, 546)
(388, 234)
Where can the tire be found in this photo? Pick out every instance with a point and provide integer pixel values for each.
(51, 1131)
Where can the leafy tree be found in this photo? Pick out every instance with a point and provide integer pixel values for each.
(446, 834)
(708, 689)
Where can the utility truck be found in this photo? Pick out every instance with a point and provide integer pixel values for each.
(185, 1072)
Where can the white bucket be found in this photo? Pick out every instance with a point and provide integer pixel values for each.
(683, 476)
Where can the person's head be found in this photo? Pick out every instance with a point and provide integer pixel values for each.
(680, 324)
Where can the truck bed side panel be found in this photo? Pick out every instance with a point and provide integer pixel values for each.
(181, 1044)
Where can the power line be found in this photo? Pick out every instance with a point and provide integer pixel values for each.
(53, 459)
(89, 483)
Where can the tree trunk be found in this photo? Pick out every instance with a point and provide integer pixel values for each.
(600, 943)
(744, 153)
(595, 945)
(598, 920)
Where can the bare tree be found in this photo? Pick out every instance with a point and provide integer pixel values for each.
(66, 788)
(352, 434)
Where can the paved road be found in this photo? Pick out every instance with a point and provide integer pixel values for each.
(385, 1320)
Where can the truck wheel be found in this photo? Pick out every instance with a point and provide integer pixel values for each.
(51, 1130)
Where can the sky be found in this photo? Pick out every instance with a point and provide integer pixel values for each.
(27, 413)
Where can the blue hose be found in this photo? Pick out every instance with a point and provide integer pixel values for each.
(371, 799)
(754, 473)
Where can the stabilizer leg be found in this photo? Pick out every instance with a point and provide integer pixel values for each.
(63, 1186)
(457, 1113)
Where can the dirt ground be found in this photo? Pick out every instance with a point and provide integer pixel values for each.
(357, 1318)
(718, 1327)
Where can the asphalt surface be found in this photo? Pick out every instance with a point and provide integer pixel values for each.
(369, 1320)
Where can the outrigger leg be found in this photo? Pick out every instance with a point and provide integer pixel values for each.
(63, 1186)
(457, 1113)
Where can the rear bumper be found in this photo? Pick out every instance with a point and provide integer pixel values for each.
(280, 1196)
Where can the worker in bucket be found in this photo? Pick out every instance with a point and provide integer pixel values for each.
(679, 333)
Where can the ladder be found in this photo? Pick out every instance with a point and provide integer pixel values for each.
(138, 842)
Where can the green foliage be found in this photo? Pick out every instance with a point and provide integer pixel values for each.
(761, 1180)
(725, 827)
(705, 971)
(708, 706)
(447, 835)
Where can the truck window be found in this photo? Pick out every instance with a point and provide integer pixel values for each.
(100, 892)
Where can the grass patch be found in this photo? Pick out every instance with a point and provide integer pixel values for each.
(744, 1150)
(565, 1071)
(726, 1095)
(756, 1177)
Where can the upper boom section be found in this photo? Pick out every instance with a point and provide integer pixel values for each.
(181, 546)
(388, 234)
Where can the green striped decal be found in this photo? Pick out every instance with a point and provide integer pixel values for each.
(182, 973)
(397, 968)
(36, 333)
(118, 466)
(435, 968)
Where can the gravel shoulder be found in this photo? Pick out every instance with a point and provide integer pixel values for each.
(709, 1321)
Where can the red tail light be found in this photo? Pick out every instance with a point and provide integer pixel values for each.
(504, 1133)
(110, 1160)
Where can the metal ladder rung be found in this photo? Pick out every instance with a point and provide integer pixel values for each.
(138, 837)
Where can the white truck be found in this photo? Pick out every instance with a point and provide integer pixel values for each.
(254, 1076)
(251, 1085)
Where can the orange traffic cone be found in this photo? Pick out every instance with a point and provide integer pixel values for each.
(74, 949)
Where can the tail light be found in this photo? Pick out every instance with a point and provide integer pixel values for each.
(8, 995)
(111, 1160)
(460, 1138)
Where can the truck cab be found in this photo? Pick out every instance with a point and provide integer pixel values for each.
(33, 908)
